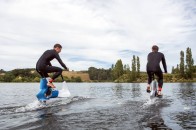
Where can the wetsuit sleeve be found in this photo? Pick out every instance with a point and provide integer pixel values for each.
(60, 61)
(164, 64)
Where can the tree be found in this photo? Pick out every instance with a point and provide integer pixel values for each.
(138, 67)
(182, 64)
(109, 74)
(125, 68)
(127, 71)
(177, 69)
(194, 69)
(173, 70)
(133, 73)
(118, 69)
(2, 71)
(112, 67)
(99, 74)
(189, 63)
(92, 71)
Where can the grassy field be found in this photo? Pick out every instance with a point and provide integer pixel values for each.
(84, 76)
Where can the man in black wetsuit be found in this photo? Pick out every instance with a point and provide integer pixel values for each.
(44, 66)
(153, 67)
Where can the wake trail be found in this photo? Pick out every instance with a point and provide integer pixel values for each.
(37, 105)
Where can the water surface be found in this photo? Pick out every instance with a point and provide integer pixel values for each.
(122, 106)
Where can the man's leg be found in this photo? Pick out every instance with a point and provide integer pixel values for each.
(57, 70)
(40, 73)
(149, 81)
(160, 81)
(45, 75)
(50, 69)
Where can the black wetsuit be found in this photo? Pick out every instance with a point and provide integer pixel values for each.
(44, 66)
(153, 67)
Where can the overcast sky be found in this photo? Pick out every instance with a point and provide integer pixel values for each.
(95, 32)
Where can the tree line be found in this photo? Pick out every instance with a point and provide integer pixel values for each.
(123, 73)
(118, 72)
(28, 75)
(185, 69)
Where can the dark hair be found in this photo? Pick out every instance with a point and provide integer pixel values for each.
(57, 45)
(155, 48)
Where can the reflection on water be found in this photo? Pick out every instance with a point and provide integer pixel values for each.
(136, 90)
(186, 91)
(187, 96)
(124, 90)
(48, 120)
(118, 90)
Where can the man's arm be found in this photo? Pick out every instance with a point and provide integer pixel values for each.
(60, 61)
(164, 64)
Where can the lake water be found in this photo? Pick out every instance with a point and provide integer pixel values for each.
(103, 106)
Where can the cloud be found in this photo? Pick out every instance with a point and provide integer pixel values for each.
(95, 32)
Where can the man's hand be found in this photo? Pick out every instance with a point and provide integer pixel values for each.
(67, 69)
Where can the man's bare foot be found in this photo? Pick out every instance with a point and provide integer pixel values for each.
(159, 93)
(51, 85)
(148, 89)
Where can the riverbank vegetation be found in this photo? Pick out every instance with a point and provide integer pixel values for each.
(30, 75)
(185, 71)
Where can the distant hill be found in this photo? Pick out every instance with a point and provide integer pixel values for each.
(84, 76)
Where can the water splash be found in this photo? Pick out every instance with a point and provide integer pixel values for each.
(64, 92)
(149, 102)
